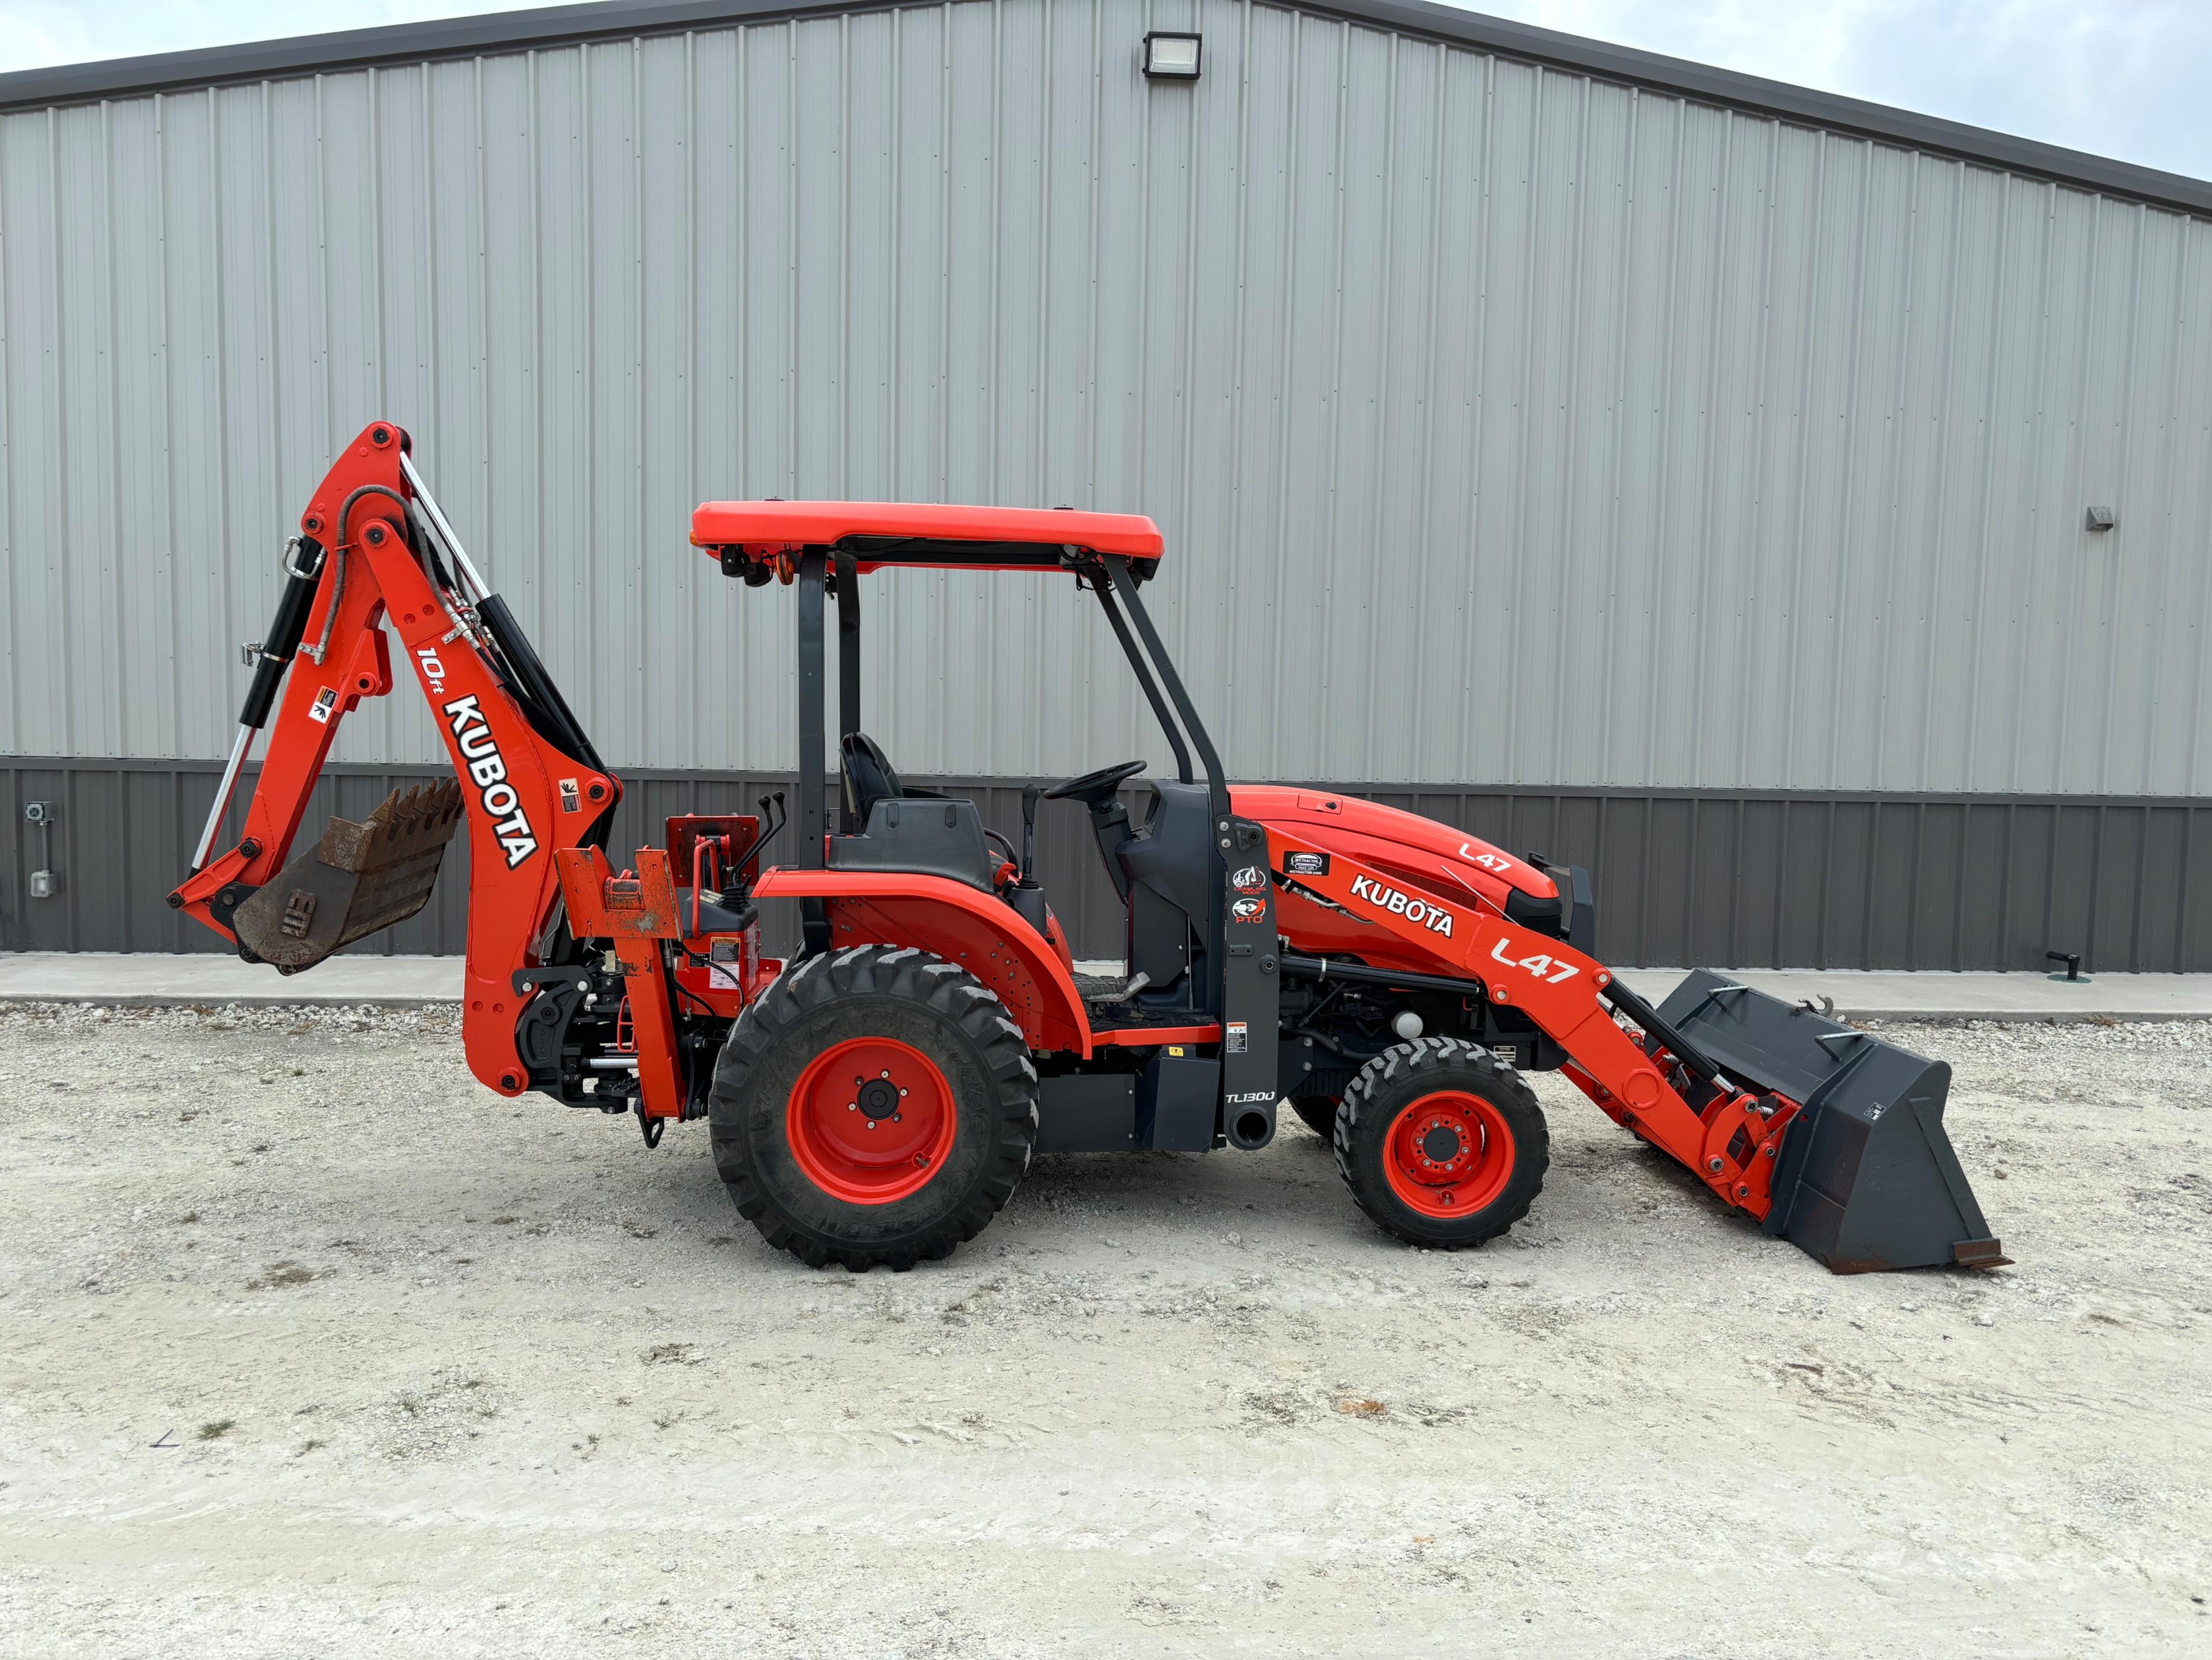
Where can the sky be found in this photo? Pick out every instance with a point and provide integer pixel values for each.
(2123, 78)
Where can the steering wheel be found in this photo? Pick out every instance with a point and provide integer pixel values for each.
(1095, 787)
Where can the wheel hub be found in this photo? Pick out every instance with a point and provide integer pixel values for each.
(1440, 1143)
(878, 1097)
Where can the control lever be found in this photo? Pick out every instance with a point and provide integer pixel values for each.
(1032, 794)
(1027, 894)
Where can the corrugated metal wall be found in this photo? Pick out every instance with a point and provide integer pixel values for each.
(1507, 426)
(1760, 881)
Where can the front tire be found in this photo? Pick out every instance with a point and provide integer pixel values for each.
(1441, 1143)
(875, 1105)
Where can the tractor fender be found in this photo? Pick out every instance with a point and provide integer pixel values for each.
(978, 931)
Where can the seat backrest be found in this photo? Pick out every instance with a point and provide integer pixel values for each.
(869, 775)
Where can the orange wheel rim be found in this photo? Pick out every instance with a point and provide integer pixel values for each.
(1448, 1154)
(871, 1121)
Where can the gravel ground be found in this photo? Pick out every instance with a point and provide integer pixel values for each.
(310, 1345)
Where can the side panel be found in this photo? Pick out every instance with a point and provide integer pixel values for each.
(1087, 1112)
(1251, 987)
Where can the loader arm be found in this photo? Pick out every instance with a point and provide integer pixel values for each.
(374, 554)
(1819, 1131)
(1565, 993)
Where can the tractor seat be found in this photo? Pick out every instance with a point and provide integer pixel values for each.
(917, 831)
(870, 778)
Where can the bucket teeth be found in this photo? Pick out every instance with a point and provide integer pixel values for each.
(357, 879)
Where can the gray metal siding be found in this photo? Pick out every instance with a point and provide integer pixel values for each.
(1746, 881)
(1506, 424)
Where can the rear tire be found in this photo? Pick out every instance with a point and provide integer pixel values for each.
(1441, 1143)
(831, 1173)
(1320, 1113)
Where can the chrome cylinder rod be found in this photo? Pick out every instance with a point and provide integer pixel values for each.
(445, 530)
(223, 795)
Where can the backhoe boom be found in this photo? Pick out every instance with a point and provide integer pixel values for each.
(365, 562)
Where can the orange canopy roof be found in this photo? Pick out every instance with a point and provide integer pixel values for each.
(918, 534)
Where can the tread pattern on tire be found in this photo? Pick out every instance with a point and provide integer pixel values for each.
(1430, 1061)
(912, 974)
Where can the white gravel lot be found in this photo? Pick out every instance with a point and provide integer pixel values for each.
(308, 1345)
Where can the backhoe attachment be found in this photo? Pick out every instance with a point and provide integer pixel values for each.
(357, 879)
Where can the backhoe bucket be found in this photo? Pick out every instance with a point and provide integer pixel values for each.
(1865, 1179)
(358, 878)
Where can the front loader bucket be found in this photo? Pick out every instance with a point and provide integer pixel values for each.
(358, 878)
(1865, 1179)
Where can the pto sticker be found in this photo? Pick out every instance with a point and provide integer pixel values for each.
(1306, 864)
(1429, 915)
(326, 701)
(1249, 910)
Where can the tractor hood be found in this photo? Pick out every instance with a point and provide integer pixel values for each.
(1433, 857)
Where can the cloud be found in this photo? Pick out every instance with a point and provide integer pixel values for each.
(2123, 78)
(35, 34)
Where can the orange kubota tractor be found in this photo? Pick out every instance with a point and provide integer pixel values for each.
(875, 1097)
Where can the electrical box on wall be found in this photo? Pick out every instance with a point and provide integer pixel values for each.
(44, 883)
